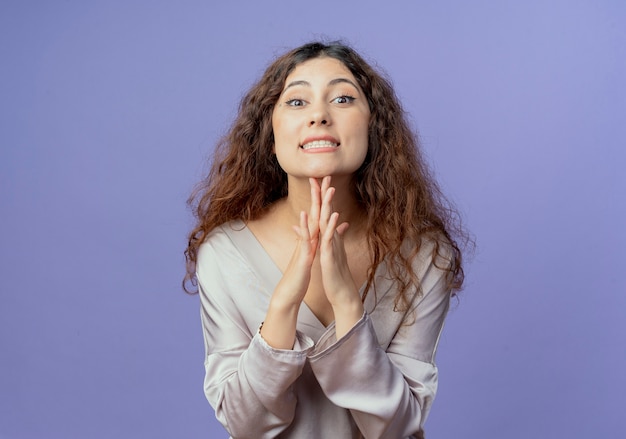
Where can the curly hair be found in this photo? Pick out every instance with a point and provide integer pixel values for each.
(402, 201)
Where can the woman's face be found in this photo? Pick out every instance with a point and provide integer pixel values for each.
(320, 121)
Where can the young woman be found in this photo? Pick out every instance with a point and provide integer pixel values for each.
(325, 257)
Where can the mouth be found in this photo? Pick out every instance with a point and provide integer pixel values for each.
(318, 144)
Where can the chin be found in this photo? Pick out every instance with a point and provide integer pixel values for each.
(320, 172)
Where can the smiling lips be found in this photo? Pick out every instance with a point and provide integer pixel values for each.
(312, 143)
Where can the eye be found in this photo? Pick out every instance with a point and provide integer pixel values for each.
(295, 102)
(343, 99)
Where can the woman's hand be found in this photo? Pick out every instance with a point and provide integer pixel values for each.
(279, 328)
(295, 281)
(319, 231)
(337, 279)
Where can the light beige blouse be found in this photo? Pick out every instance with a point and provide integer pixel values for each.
(378, 381)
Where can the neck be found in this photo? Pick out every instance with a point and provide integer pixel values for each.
(344, 200)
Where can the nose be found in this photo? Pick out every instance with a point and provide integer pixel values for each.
(321, 122)
(319, 116)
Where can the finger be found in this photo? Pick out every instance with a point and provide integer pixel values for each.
(327, 208)
(304, 225)
(341, 228)
(330, 229)
(314, 216)
(302, 229)
(325, 188)
(325, 184)
(306, 246)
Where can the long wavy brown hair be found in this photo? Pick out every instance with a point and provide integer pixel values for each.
(402, 201)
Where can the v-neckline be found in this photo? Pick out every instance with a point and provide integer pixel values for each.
(278, 273)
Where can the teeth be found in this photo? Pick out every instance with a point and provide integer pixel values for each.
(319, 144)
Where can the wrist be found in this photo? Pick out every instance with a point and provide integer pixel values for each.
(347, 300)
(346, 316)
(285, 307)
(279, 327)
(351, 310)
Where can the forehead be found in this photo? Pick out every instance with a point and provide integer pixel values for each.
(319, 69)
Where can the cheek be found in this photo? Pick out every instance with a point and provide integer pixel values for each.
(275, 132)
(364, 128)
(280, 127)
(364, 135)
(274, 124)
(363, 118)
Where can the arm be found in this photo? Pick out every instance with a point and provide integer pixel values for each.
(249, 378)
(279, 328)
(389, 393)
(248, 383)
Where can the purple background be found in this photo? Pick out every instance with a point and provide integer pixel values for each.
(109, 110)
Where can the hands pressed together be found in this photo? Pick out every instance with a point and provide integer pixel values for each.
(318, 234)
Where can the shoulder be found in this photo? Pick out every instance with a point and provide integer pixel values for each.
(432, 263)
(430, 252)
(223, 244)
(224, 261)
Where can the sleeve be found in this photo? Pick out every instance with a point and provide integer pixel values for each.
(389, 393)
(247, 382)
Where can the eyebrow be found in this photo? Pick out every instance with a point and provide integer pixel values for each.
(331, 82)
